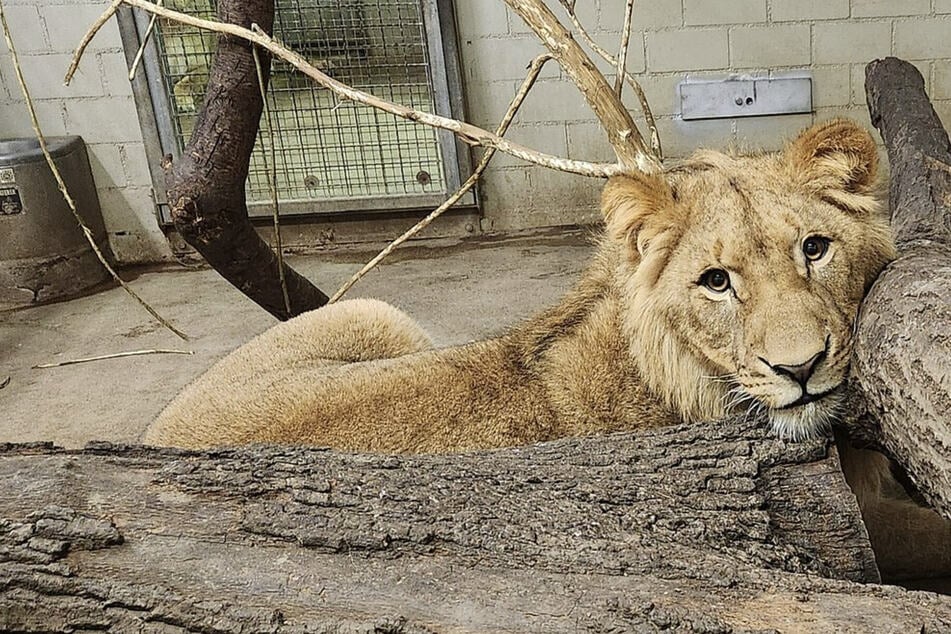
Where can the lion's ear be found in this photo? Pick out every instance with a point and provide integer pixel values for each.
(838, 160)
(634, 206)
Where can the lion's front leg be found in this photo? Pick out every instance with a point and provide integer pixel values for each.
(909, 540)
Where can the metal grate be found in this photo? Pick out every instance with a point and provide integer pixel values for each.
(326, 149)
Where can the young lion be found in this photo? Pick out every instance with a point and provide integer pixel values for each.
(727, 282)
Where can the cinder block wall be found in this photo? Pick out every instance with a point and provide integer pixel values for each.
(97, 105)
(673, 40)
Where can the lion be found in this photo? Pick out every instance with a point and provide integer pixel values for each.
(725, 283)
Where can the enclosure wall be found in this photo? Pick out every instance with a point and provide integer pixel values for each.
(672, 40)
(97, 105)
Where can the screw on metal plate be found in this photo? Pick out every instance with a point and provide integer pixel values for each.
(423, 177)
(311, 182)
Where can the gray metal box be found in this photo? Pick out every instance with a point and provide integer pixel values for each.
(43, 252)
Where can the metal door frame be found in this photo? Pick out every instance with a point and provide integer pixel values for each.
(160, 137)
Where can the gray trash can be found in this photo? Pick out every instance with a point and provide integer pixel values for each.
(43, 252)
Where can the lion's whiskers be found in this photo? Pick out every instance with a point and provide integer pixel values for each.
(721, 378)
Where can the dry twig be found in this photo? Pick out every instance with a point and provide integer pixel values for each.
(615, 119)
(272, 178)
(145, 40)
(469, 133)
(534, 69)
(569, 6)
(87, 38)
(622, 52)
(114, 355)
(59, 178)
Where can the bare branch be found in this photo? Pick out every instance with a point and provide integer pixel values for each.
(467, 132)
(622, 52)
(534, 69)
(569, 6)
(272, 178)
(59, 178)
(114, 355)
(623, 134)
(145, 40)
(87, 38)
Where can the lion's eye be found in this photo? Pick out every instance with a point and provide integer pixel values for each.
(717, 280)
(815, 247)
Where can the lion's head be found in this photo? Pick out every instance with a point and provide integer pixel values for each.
(743, 275)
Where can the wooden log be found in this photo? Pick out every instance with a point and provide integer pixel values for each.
(902, 358)
(206, 184)
(695, 528)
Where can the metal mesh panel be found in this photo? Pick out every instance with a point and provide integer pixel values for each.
(325, 148)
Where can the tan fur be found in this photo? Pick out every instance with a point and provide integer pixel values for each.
(638, 343)
(910, 541)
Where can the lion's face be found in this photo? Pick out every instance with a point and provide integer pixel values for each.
(745, 275)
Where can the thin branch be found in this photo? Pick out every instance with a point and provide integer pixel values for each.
(114, 355)
(569, 7)
(635, 85)
(622, 52)
(534, 69)
(145, 40)
(467, 132)
(272, 178)
(87, 38)
(615, 119)
(59, 178)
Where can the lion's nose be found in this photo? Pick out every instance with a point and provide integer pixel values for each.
(799, 373)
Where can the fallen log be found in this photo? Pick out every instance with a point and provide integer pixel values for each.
(902, 361)
(702, 529)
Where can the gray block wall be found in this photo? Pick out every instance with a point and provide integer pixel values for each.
(97, 105)
(672, 40)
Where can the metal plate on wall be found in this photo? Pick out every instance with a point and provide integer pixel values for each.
(731, 98)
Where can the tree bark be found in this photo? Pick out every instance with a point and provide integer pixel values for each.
(206, 185)
(903, 344)
(695, 528)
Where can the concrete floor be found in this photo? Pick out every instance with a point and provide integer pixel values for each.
(458, 292)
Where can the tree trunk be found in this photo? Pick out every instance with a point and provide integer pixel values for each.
(696, 528)
(206, 185)
(903, 346)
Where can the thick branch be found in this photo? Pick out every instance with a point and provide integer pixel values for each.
(903, 339)
(918, 151)
(569, 6)
(622, 132)
(206, 185)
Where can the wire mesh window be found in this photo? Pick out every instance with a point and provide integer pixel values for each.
(325, 148)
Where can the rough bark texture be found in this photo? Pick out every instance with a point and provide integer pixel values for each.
(703, 529)
(903, 346)
(206, 185)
